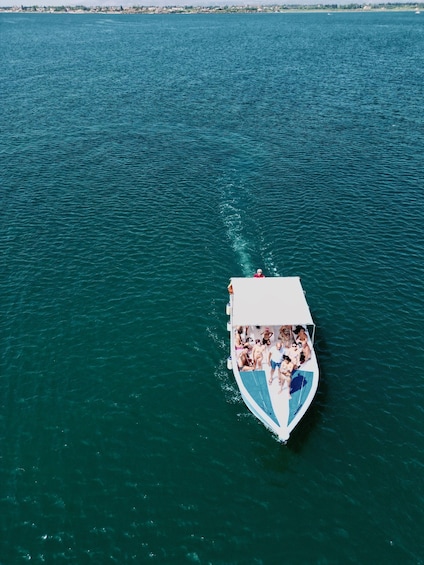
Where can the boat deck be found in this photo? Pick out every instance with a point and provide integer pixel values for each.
(277, 405)
(269, 398)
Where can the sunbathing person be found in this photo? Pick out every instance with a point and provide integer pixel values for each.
(285, 373)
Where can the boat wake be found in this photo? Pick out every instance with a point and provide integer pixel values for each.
(239, 224)
(233, 221)
(268, 255)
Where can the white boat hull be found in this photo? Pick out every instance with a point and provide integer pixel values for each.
(279, 408)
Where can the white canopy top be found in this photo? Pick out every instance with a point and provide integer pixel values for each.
(269, 302)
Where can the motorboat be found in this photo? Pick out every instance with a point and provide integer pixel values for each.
(270, 320)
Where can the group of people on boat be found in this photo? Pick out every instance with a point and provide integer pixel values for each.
(289, 351)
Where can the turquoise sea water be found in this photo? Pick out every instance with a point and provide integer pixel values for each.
(144, 161)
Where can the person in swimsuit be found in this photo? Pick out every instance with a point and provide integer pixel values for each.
(248, 335)
(266, 336)
(258, 355)
(286, 336)
(244, 363)
(238, 338)
(305, 353)
(294, 353)
(300, 334)
(259, 274)
(302, 340)
(285, 373)
(274, 359)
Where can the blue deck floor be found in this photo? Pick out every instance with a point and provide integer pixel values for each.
(256, 384)
(300, 387)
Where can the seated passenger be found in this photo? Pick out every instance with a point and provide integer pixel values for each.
(248, 335)
(244, 362)
(285, 374)
(301, 334)
(305, 353)
(284, 330)
(239, 338)
(302, 340)
(286, 336)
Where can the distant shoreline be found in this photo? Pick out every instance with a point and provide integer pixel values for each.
(256, 9)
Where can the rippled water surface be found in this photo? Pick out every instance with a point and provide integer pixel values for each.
(144, 161)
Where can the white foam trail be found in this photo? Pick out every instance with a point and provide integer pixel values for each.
(235, 225)
(269, 263)
(233, 222)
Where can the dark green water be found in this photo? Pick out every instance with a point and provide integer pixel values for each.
(144, 161)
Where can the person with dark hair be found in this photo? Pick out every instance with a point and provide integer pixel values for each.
(238, 338)
(266, 336)
(302, 340)
(294, 353)
(244, 362)
(305, 353)
(301, 334)
(285, 373)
